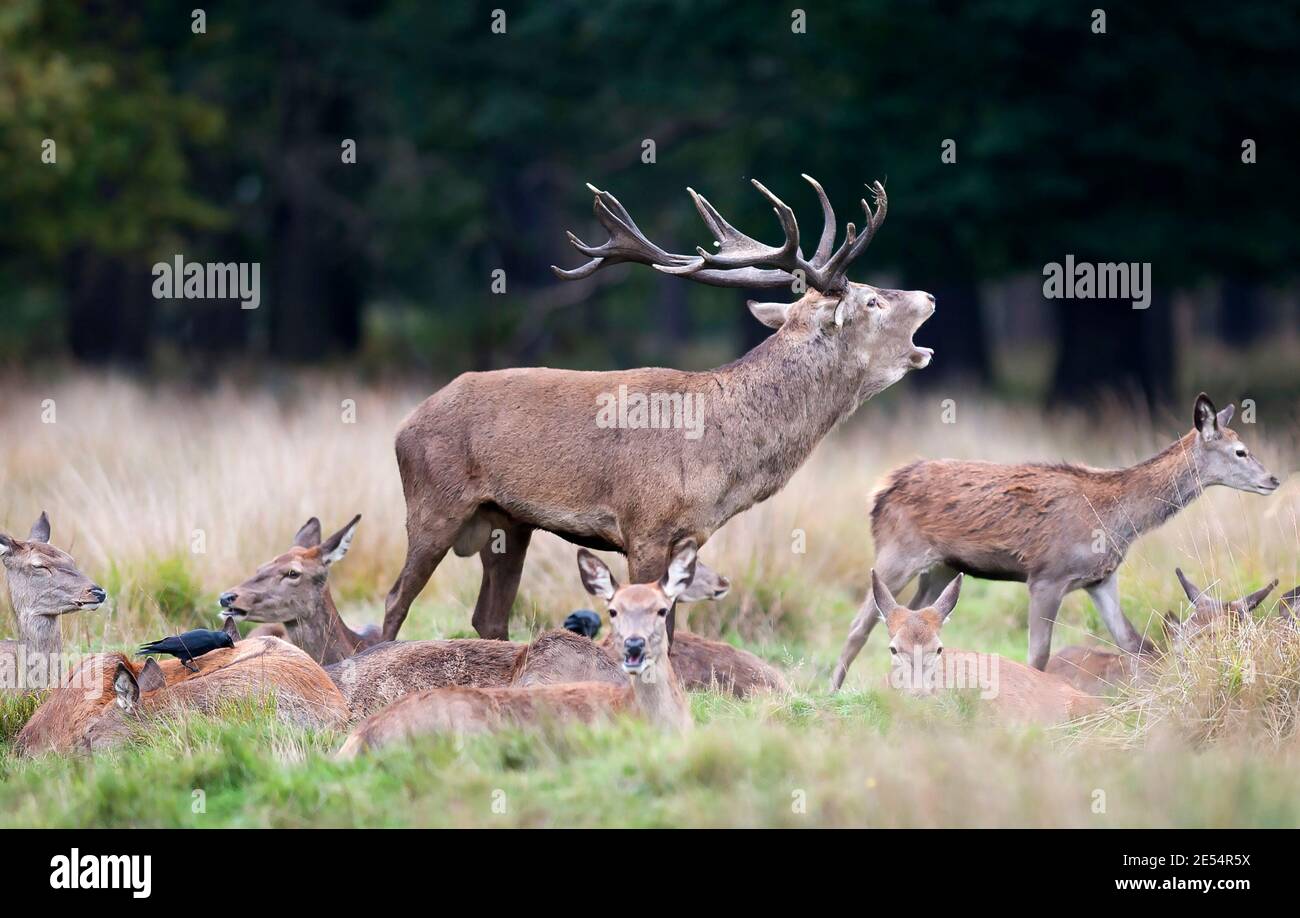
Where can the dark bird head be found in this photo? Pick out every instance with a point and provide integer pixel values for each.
(223, 639)
(584, 622)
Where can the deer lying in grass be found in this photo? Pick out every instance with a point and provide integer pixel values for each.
(639, 614)
(44, 584)
(291, 594)
(524, 449)
(700, 664)
(1058, 528)
(1098, 670)
(923, 666)
(104, 698)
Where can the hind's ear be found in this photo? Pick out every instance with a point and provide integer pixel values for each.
(228, 625)
(1204, 417)
(40, 529)
(681, 569)
(151, 676)
(948, 598)
(336, 546)
(885, 602)
(309, 535)
(7, 545)
(596, 576)
(126, 688)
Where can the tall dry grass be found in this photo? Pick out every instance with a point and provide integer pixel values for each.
(170, 496)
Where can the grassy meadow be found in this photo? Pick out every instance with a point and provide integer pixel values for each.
(167, 497)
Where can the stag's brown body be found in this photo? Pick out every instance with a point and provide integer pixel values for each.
(519, 450)
(84, 715)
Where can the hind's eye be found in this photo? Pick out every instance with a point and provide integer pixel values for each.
(1242, 452)
(613, 613)
(938, 650)
(663, 613)
(893, 650)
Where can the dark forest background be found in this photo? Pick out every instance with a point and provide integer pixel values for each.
(473, 149)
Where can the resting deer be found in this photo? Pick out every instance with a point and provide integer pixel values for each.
(1097, 670)
(524, 449)
(1058, 528)
(44, 584)
(923, 666)
(102, 700)
(290, 596)
(639, 614)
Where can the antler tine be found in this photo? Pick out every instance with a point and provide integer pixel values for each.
(827, 242)
(737, 250)
(839, 262)
(626, 242)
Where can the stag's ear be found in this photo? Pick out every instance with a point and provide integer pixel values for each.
(947, 600)
(151, 677)
(596, 577)
(309, 535)
(126, 688)
(773, 315)
(681, 569)
(1204, 418)
(336, 546)
(40, 529)
(885, 602)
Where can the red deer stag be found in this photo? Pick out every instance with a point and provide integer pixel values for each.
(639, 614)
(44, 584)
(1057, 528)
(493, 456)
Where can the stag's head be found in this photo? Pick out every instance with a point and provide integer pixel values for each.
(1221, 457)
(291, 586)
(638, 613)
(914, 644)
(869, 325)
(43, 580)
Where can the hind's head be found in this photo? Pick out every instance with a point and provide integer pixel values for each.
(44, 581)
(638, 613)
(291, 586)
(1220, 456)
(1210, 613)
(914, 643)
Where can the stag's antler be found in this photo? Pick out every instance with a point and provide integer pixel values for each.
(739, 260)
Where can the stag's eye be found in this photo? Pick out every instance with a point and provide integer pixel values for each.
(292, 574)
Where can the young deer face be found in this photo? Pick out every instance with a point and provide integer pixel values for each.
(1209, 613)
(1221, 457)
(914, 643)
(638, 613)
(44, 581)
(292, 586)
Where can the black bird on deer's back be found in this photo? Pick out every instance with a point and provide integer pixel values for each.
(185, 647)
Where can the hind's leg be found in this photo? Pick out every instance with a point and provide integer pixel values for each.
(503, 565)
(895, 570)
(1105, 596)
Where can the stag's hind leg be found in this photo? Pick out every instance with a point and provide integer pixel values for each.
(430, 532)
(503, 565)
(895, 569)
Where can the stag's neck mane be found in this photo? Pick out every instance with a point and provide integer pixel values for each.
(777, 402)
